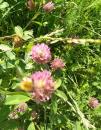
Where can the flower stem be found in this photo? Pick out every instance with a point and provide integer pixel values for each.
(45, 118)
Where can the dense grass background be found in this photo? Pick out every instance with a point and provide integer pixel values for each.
(81, 77)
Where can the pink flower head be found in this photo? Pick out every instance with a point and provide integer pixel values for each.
(22, 107)
(41, 53)
(49, 6)
(57, 64)
(43, 86)
(13, 115)
(93, 102)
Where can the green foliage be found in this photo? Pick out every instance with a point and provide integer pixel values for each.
(31, 126)
(80, 80)
(18, 98)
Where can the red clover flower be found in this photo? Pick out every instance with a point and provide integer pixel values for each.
(43, 86)
(41, 53)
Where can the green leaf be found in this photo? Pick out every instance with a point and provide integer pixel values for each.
(61, 94)
(19, 31)
(54, 105)
(16, 99)
(98, 111)
(0, 81)
(9, 125)
(1, 1)
(4, 111)
(4, 5)
(4, 47)
(58, 1)
(58, 83)
(28, 34)
(10, 55)
(31, 126)
(95, 4)
(9, 65)
(77, 126)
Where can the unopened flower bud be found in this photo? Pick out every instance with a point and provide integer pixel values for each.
(93, 102)
(22, 107)
(13, 115)
(30, 4)
(17, 41)
(34, 115)
(48, 7)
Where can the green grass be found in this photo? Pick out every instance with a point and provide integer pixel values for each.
(81, 78)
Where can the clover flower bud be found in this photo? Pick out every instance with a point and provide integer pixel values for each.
(93, 102)
(22, 107)
(17, 41)
(48, 7)
(13, 115)
(30, 4)
(34, 115)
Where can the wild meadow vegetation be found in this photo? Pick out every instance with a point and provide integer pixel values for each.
(50, 65)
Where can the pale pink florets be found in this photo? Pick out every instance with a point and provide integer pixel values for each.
(43, 86)
(93, 102)
(57, 64)
(41, 53)
(22, 107)
(48, 7)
